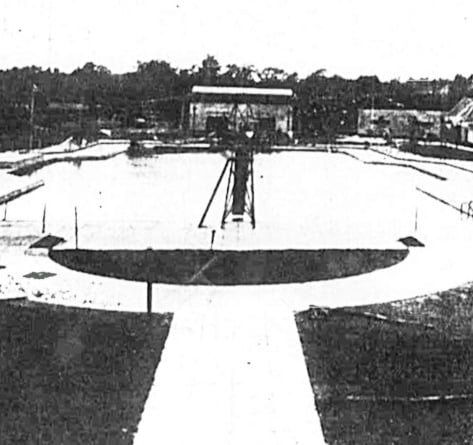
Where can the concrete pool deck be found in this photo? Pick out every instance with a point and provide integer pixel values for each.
(12, 186)
(232, 370)
(66, 151)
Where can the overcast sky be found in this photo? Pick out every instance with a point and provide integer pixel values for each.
(392, 39)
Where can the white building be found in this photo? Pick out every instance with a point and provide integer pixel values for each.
(271, 108)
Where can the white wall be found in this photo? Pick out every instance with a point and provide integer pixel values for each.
(199, 112)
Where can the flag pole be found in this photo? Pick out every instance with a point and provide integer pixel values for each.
(33, 91)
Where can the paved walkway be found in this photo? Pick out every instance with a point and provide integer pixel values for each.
(232, 372)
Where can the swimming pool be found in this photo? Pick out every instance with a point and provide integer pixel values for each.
(303, 200)
(318, 216)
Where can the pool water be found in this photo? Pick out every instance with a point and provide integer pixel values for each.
(302, 200)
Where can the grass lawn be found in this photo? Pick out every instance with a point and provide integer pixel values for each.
(228, 267)
(436, 151)
(71, 375)
(371, 376)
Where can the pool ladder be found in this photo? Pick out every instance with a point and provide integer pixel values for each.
(466, 208)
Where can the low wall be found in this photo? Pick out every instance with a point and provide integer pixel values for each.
(19, 192)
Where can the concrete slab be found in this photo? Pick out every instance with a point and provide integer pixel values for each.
(91, 151)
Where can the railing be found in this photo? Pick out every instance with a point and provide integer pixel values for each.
(466, 209)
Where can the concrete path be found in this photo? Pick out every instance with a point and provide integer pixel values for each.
(232, 372)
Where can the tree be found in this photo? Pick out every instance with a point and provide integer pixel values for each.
(458, 88)
(271, 76)
(208, 72)
(91, 68)
(239, 75)
(154, 79)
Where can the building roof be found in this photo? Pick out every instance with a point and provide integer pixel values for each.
(398, 121)
(462, 112)
(387, 114)
(247, 91)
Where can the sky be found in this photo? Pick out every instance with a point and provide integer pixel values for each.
(391, 39)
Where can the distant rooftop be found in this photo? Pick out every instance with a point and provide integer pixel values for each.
(461, 112)
(199, 89)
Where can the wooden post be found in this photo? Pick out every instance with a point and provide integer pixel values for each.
(415, 223)
(149, 296)
(76, 228)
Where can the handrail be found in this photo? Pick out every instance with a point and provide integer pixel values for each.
(466, 208)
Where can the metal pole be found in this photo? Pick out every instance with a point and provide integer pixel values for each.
(201, 223)
(5, 213)
(44, 220)
(149, 296)
(193, 119)
(76, 228)
(253, 216)
(212, 239)
(32, 118)
(226, 212)
(183, 113)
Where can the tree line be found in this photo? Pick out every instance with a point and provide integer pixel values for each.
(78, 102)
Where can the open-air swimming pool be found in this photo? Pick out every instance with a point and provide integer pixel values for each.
(303, 200)
(310, 203)
(310, 208)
